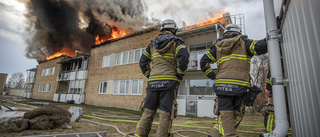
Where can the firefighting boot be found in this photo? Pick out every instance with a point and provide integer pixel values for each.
(145, 123)
(165, 123)
(227, 118)
(214, 132)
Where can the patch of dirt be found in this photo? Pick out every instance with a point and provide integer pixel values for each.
(128, 127)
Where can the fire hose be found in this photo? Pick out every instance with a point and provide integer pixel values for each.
(156, 123)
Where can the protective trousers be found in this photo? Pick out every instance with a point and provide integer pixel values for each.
(145, 123)
(166, 102)
(228, 121)
(165, 124)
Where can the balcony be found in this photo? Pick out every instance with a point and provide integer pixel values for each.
(194, 61)
(72, 75)
(30, 80)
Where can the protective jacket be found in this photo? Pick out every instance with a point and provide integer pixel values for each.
(164, 52)
(232, 53)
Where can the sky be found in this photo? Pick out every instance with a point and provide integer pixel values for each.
(13, 34)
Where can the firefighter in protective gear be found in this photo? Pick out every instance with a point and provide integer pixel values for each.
(170, 59)
(269, 115)
(233, 53)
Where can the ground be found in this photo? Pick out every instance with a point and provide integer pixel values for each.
(126, 120)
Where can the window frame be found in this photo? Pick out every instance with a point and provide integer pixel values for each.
(105, 61)
(139, 87)
(141, 50)
(101, 87)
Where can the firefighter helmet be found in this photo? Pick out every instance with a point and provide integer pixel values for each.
(232, 28)
(168, 24)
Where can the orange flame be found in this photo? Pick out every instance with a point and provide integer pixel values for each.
(60, 53)
(208, 20)
(116, 33)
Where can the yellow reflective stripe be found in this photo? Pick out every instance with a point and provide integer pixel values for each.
(179, 47)
(232, 81)
(147, 73)
(209, 70)
(221, 131)
(270, 121)
(234, 56)
(136, 135)
(146, 54)
(253, 43)
(169, 129)
(237, 120)
(163, 77)
(180, 71)
(284, 83)
(268, 81)
(210, 56)
(165, 55)
(216, 127)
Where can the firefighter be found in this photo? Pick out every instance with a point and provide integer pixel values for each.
(269, 115)
(233, 53)
(170, 59)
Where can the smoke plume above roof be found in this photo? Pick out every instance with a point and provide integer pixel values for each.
(69, 25)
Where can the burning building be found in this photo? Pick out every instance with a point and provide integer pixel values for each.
(109, 73)
(115, 78)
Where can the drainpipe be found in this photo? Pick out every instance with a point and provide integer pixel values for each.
(280, 111)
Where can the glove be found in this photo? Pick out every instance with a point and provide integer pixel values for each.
(179, 76)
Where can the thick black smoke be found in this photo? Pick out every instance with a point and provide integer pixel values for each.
(69, 25)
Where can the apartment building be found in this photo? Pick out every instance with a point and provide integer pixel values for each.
(115, 78)
(112, 77)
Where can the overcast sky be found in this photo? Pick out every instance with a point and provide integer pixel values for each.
(13, 34)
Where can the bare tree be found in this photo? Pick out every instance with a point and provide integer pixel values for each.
(259, 71)
(16, 80)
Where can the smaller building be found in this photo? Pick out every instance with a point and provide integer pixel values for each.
(28, 87)
(3, 79)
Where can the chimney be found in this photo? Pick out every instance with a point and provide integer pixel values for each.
(226, 19)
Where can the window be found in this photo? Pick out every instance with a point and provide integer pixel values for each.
(103, 87)
(130, 57)
(201, 87)
(136, 87)
(137, 54)
(115, 87)
(183, 88)
(119, 59)
(43, 72)
(125, 58)
(121, 87)
(48, 71)
(124, 86)
(76, 86)
(48, 87)
(201, 46)
(106, 61)
(52, 70)
(44, 88)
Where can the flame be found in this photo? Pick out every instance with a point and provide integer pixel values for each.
(60, 53)
(116, 33)
(208, 20)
